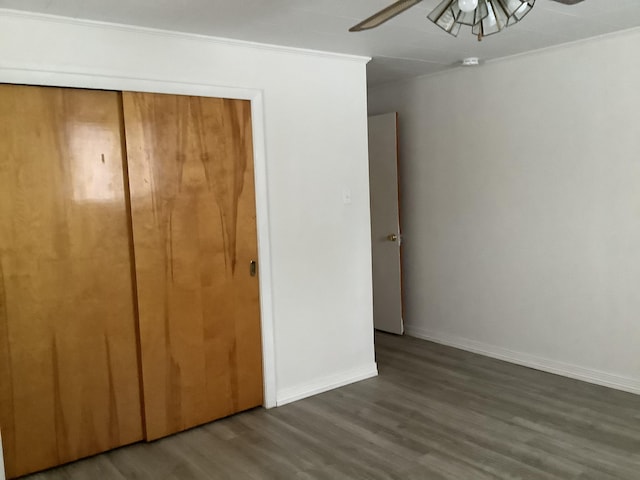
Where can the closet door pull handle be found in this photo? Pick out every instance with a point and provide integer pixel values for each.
(252, 268)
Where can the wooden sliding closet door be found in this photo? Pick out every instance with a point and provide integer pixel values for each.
(193, 207)
(69, 383)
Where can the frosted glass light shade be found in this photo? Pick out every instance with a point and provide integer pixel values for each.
(489, 16)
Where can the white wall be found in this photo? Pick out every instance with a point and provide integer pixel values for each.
(315, 143)
(521, 207)
(2, 473)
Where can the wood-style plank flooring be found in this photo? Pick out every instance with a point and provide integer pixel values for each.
(433, 413)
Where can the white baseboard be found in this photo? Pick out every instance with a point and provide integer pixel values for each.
(618, 382)
(325, 384)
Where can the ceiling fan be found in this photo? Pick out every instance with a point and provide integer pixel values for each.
(485, 17)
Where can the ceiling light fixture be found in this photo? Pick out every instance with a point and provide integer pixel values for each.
(468, 5)
(485, 18)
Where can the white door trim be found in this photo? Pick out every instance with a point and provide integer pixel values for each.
(107, 82)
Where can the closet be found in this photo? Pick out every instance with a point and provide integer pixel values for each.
(129, 302)
(194, 230)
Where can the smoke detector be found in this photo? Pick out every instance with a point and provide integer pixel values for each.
(470, 62)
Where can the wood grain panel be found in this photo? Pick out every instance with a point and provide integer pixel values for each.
(69, 383)
(193, 207)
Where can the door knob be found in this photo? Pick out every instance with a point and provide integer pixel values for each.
(392, 238)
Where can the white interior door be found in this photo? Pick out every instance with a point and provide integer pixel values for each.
(385, 223)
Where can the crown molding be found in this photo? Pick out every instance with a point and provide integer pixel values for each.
(45, 17)
(522, 55)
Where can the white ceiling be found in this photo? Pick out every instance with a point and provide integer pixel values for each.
(408, 45)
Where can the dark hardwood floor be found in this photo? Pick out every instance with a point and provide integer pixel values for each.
(433, 413)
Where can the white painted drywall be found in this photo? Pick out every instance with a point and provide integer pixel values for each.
(315, 126)
(521, 207)
(2, 473)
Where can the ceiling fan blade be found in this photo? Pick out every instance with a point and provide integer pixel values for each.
(385, 14)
